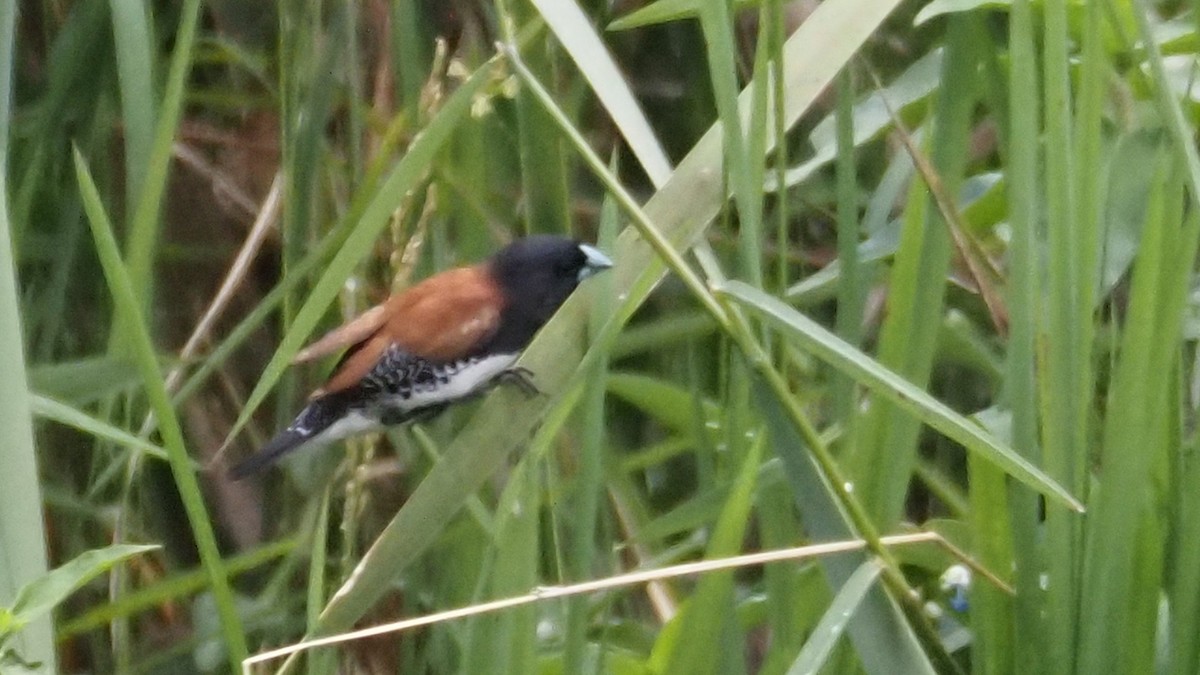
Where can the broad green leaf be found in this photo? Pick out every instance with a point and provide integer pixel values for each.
(42, 595)
(169, 589)
(586, 557)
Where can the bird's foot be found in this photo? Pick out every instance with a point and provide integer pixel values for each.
(521, 378)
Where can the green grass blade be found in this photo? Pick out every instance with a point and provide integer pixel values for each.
(1183, 585)
(851, 289)
(872, 375)
(704, 620)
(135, 79)
(22, 537)
(775, 28)
(319, 568)
(743, 172)
(833, 623)
(72, 84)
(133, 331)
(172, 588)
(505, 641)
(82, 381)
(579, 39)
(255, 319)
(1064, 387)
(911, 90)
(143, 229)
(410, 59)
(660, 11)
(1020, 388)
(886, 445)
(543, 162)
(993, 652)
(62, 413)
(883, 640)
(589, 479)
(42, 595)
(1171, 110)
(1125, 536)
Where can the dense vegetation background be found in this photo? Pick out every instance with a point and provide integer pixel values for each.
(957, 298)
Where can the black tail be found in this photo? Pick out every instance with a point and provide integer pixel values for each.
(316, 417)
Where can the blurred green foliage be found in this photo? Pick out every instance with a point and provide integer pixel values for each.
(882, 266)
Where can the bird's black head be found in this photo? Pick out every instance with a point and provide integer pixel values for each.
(536, 275)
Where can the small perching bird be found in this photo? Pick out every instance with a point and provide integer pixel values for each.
(446, 338)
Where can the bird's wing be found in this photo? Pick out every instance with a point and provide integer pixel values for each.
(442, 319)
(351, 333)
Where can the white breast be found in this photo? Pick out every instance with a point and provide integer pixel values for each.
(353, 424)
(468, 378)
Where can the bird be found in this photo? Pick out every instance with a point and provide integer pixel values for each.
(443, 340)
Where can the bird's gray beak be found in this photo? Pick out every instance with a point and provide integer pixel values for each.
(596, 261)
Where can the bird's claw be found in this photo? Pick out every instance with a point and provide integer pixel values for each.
(521, 378)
